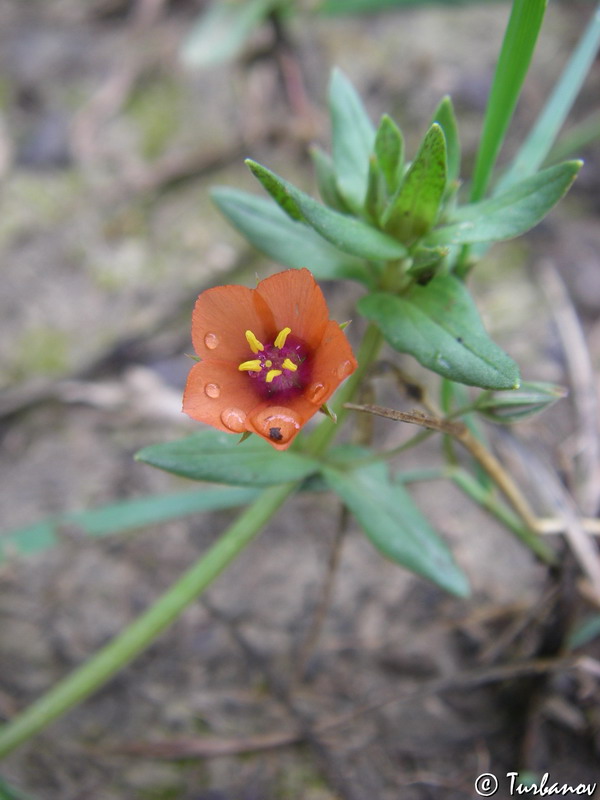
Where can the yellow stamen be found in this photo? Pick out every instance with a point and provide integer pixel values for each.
(250, 366)
(288, 364)
(281, 337)
(271, 374)
(268, 363)
(255, 345)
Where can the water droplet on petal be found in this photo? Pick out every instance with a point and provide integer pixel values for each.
(277, 423)
(316, 393)
(211, 340)
(234, 419)
(212, 390)
(344, 369)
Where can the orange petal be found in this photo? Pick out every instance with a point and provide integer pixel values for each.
(333, 362)
(221, 317)
(278, 425)
(219, 395)
(296, 302)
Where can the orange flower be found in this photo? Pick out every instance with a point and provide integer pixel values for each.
(270, 357)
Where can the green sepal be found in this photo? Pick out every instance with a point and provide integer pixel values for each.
(328, 412)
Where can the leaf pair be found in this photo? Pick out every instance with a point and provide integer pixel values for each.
(383, 508)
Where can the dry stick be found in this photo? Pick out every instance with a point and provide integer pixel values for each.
(208, 747)
(324, 600)
(581, 543)
(488, 461)
(583, 392)
(461, 433)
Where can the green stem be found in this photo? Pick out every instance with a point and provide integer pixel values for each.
(487, 500)
(136, 637)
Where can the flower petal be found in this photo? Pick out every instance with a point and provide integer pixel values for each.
(296, 302)
(333, 362)
(222, 316)
(219, 395)
(278, 425)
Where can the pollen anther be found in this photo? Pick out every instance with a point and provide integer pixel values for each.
(250, 366)
(271, 375)
(255, 345)
(289, 364)
(281, 337)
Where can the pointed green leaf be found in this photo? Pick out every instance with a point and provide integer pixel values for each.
(352, 139)
(377, 196)
(439, 325)
(394, 524)
(531, 398)
(222, 30)
(346, 233)
(216, 456)
(389, 150)
(446, 119)
(513, 63)
(416, 206)
(123, 516)
(325, 174)
(535, 149)
(509, 214)
(290, 243)
(285, 194)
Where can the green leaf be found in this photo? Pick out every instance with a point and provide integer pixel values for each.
(123, 516)
(389, 151)
(352, 139)
(416, 207)
(445, 117)
(325, 174)
(439, 325)
(337, 7)
(222, 30)
(376, 198)
(510, 214)
(515, 56)
(290, 243)
(9, 792)
(394, 524)
(216, 456)
(531, 398)
(346, 233)
(540, 140)
(585, 632)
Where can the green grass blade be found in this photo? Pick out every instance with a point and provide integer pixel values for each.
(538, 144)
(576, 138)
(515, 56)
(123, 516)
